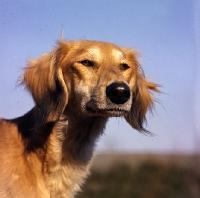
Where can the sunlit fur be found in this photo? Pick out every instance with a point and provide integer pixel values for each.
(48, 151)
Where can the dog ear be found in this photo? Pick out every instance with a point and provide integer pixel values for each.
(142, 101)
(44, 79)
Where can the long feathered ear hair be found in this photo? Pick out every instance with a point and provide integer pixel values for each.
(142, 98)
(44, 79)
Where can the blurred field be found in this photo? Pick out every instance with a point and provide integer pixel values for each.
(143, 176)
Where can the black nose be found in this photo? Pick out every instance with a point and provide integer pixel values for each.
(118, 93)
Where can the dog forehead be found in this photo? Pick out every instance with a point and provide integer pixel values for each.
(95, 51)
(102, 51)
(117, 53)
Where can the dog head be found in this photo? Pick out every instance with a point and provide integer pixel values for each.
(89, 78)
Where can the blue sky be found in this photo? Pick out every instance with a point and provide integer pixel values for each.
(165, 31)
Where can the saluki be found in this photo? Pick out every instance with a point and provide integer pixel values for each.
(47, 152)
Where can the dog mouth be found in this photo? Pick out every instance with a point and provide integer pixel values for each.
(113, 112)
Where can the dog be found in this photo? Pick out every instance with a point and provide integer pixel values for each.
(76, 87)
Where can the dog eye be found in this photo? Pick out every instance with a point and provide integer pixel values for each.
(124, 66)
(87, 63)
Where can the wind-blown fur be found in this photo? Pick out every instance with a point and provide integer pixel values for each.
(76, 88)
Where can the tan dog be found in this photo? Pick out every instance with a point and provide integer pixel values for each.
(76, 88)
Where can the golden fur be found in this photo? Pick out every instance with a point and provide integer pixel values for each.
(76, 88)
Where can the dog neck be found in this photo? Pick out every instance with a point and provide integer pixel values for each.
(69, 151)
(76, 134)
(63, 149)
(81, 136)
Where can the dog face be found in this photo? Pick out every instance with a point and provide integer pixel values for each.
(89, 78)
(102, 78)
